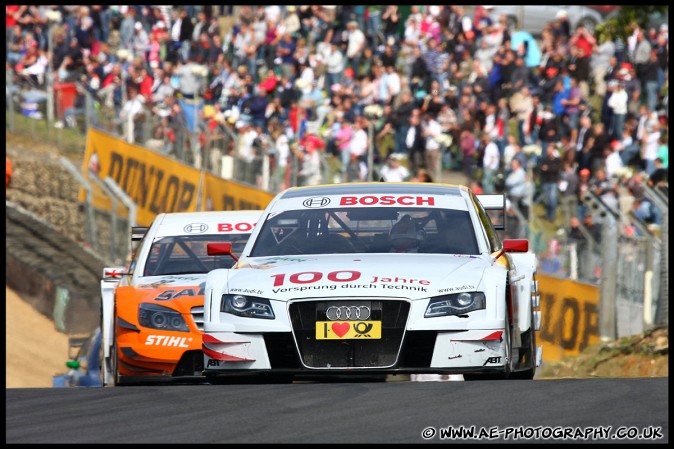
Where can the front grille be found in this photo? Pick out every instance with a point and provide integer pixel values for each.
(198, 317)
(378, 353)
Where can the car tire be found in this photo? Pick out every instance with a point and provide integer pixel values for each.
(104, 366)
(114, 358)
(527, 354)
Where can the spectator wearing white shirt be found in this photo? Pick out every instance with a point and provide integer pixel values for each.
(393, 81)
(132, 109)
(355, 45)
(140, 41)
(618, 104)
(490, 163)
(613, 161)
(431, 130)
(335, 66)
(650, 147)
(393, 170)
(358, 144)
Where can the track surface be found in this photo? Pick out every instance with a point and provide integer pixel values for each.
(330, 412)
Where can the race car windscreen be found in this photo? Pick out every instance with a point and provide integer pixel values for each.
(188, 255)
(366, 230)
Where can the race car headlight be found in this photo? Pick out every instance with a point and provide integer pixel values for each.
(160, 317)
(455, 304)
(248, 306)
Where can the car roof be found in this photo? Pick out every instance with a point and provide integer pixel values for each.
(192, 223)
(375, 187)
(371, 194)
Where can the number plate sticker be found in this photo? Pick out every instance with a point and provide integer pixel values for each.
(348, 330)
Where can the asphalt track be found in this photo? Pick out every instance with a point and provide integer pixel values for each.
(342, 412)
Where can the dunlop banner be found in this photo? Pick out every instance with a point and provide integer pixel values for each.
(228, 195)
(154, 182)
(570, 319)
(158, 183)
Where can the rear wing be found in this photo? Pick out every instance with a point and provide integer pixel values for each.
(495, 207)
(137, 234)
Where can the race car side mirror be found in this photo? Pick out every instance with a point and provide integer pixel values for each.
(515, 245)
(221, 249)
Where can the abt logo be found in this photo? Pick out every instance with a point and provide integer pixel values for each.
(165, 340)
(493, 360)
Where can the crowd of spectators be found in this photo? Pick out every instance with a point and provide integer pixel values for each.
(411, 92)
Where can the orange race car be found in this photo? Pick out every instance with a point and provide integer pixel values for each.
(152, 310)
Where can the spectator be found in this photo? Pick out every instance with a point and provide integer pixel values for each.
(568, 193)
(356, 170)
(649, 78)
(523, 105)
(415, 142)
(601, 62)
(663, 151)
(393, 170)
(660, 174)
(467, 146)
(516, 186)
(651, 143)
(343, 142)
(550, 176)
(310, 161)
(285, 52)
(132, 113)
(618, 104)
(431, 131)
(490, 163)
(572, 108)
(356, 45)
(421, 175)
(613, 162)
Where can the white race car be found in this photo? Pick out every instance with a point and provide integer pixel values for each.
(375, 278)
(151, 320)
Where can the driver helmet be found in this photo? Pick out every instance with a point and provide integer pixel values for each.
(404, 235)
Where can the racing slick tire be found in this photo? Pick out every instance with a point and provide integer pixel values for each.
(527, 354)
(114, 357)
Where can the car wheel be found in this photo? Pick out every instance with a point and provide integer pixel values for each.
(527, 354)
(114, 358)
(104, 366)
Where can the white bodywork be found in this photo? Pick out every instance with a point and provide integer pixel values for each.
(468, 342)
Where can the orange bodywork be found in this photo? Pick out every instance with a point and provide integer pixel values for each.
(145, 351)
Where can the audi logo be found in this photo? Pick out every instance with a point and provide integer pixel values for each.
(348, 313)
(316, 202)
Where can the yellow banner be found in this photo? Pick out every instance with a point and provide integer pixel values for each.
(154, 182)
(220, 194)
(570, 318)
(157, 183)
